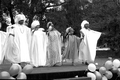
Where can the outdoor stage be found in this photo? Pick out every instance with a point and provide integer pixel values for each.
(67, 70)
(58, 72)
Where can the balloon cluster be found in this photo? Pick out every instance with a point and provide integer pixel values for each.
(16, 72)
(106, 71)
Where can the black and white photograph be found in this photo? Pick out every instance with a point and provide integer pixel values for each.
(60, 39)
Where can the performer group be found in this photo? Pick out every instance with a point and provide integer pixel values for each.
(47, 48)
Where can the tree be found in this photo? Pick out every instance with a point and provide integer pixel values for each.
(105, 17)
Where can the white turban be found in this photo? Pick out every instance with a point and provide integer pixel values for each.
(49, 23)
(20, 17)
(35, 23)
(68, 29)
(83, 23)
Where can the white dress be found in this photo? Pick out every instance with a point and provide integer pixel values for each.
(38, 48)
(87, 48)
(54, 48)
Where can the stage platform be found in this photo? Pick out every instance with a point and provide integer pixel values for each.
(67, 70)
(64, 71)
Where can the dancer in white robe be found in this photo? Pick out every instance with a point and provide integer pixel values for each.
(9, 28)
(54, 56)
(18, 41)
(87, 48)
(38, 45)
(2, 43)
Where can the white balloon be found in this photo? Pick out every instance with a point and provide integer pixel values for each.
(15, 69)
(102, 70)
(92, 67)
(27, 69)
(109, 74)
(116, 63)
(4, 75)
(108, 64)
(20, 68)
(98, 75)
(22, 76)
(12, 78)
(104, 78)
(91, 75)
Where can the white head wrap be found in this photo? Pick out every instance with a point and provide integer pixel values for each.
(35, 23)
(48, 24)
(19, 17)
(68, 29)
(71, 30)
(83, 23)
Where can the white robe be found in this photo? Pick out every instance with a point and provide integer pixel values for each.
(2, 44)
(38, 48)
(87, 48)
(18, 46)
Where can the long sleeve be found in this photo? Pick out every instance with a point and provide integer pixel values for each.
(29, 37)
